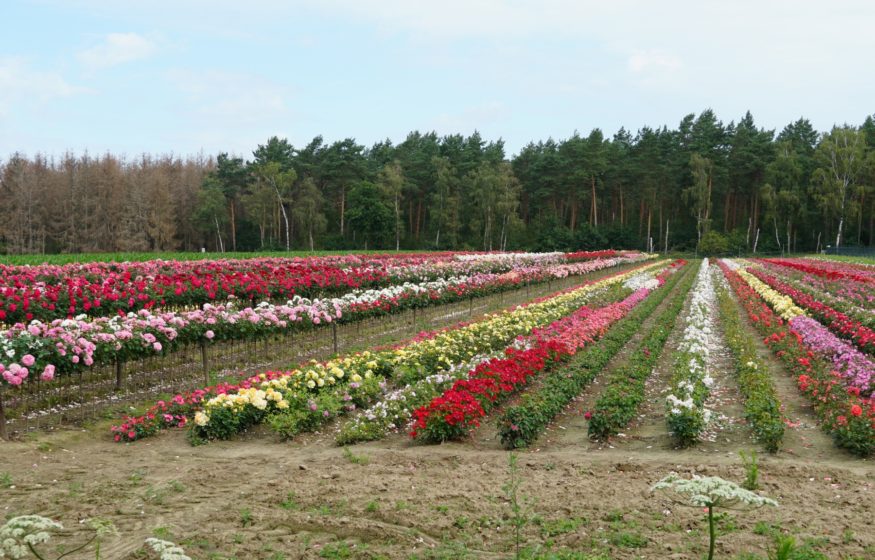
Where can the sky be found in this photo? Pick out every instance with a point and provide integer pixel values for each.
(192, 76)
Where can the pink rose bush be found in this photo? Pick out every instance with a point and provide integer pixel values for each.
(47, 292)
(71, 344)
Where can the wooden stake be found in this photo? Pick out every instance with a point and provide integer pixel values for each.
(206, 363)
(119, 374)
(2, 417)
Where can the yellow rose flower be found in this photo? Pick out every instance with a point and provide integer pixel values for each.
(201, 418)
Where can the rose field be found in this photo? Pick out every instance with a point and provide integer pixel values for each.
(438, 406)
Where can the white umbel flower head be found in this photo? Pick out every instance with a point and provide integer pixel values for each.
(712, 491)
(24, 530)
(166, 550)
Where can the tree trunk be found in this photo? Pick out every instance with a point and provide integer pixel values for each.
(342, 208)
(649, 216)
(708, 206)
(777, 236)
(872, 224)
(419, 219)
(411, 217)
(573, 213)
(285, 217)
(660, 221)
(756, 211)
(666, 237)
(219, 235)
(397, 223)
(440, 221)
(640, 217)
(595, 206)
(622, 222)
(233, 228)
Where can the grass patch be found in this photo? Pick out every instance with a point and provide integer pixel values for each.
(355, 459)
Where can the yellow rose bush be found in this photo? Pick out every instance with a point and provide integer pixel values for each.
(310, 395)
(782, 304)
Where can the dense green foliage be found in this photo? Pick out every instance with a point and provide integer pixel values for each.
(625, 386)
(735, 187)
(762, 408)
(522, 424)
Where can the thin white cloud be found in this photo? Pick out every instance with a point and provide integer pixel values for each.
(117, 48)
(656, 70)
(653, 61)
(21, 84)
(749, 41)
(471, 118)
(225, 97)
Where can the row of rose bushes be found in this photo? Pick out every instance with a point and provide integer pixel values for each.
(831, 270)
(838, 322)
(48, 292)
(856, 369)
(847, 415)
(830, 293)
(520, 425)
(691, 382)
(459, 410)
(351, 381)
(625, 386)
(393, 411)
(762, 407)
(408, 365)
(69, 345)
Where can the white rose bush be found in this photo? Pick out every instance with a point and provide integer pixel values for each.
(691, 384)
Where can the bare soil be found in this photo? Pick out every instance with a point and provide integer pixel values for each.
(257, 498)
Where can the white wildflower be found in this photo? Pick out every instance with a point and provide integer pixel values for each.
(712, 491)
(166, 550)
(24, 530)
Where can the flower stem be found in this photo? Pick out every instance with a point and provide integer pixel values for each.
(712, 536)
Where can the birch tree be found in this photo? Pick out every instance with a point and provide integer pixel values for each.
(698, 196)
(391, 182)
(840, 158)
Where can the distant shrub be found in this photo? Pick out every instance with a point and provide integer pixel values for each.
(713, 243)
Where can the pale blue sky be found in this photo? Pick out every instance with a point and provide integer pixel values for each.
(183, 76)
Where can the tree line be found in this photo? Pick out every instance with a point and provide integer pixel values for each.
(719, 187)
